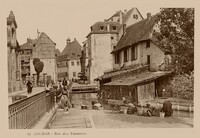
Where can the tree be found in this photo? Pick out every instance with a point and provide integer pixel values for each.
(39, 65)
(177, 34)
(35, 60)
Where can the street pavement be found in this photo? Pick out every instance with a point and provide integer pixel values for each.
(72, 119)
(78, 118)
(24, 93)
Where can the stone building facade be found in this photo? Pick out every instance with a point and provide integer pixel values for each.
(140, 65)
(102, 40)
(13, 56)
(126, 19)
(68, 62)
(26, 54)
(44, 49)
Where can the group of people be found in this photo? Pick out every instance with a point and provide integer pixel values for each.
(149, 110)
(29, 86)
(63, 95)
(153, 111)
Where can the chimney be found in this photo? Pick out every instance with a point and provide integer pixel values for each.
(68, 40)
(124, 28)
(120, 17)
(108, 27)
(148, 15)
(74, 39)
(38, 33)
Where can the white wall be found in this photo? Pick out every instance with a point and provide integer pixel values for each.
(101, 47)
(157, 56)
(76, 68)
(49, 68)
(132, 20)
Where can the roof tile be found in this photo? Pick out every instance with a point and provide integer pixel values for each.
(136, 33)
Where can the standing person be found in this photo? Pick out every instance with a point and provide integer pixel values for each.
(64, 83)
(59, 91)
(29, 87)
(167, 108)
(64, 101)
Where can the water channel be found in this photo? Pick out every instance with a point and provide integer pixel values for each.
(185, 114)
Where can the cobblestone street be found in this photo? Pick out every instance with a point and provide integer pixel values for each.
(78, 118)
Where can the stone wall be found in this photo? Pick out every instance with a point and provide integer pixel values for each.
(100, 46)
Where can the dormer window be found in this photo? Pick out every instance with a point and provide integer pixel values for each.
(101, 28)
(114, 28)
(135, 16)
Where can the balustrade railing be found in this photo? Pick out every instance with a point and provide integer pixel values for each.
(24, 113)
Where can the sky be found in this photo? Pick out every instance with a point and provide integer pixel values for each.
(61, 19)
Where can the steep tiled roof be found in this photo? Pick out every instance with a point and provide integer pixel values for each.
(61, 58)
(121, 71)
(140, 78)
(72, 50)
(44, 38)
(126, 15)
(116, 14)
(57, 52)
(28, 44)
(136, 33)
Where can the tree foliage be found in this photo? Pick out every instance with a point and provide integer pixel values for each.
(35, 60)
(184, 86)
(39, 65)
(177, 34)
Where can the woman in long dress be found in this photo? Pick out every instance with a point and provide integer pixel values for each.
(64, 101)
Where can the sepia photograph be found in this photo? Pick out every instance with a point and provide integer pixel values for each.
(98, 65)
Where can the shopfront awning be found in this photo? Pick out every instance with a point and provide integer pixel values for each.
(141, 78)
